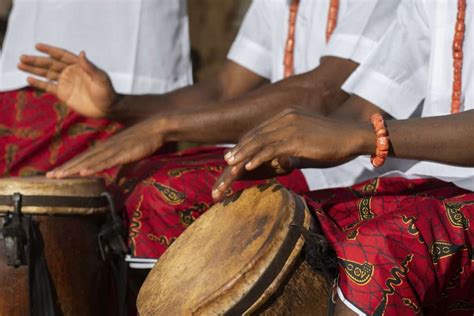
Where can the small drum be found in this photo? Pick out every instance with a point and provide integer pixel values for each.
(243, 256)
(50, 262)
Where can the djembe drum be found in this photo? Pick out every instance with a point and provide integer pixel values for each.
(50, 263)
(242, 257)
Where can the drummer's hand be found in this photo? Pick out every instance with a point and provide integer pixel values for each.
(277, 167)
(130, 145)
(310, 138)
(77, 82)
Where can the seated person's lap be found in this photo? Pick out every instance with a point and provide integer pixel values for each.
(412, 235)
(166, 193)
(162, 194)
(39, 133)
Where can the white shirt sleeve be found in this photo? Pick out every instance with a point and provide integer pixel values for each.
(395, 74)
(252, 47)
(143, 45)
(360, 26)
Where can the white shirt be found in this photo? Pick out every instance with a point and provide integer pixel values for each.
(360, 28)
(260, 43)
(355, 37)
(260, 47)
(142, 44)
(412, 62)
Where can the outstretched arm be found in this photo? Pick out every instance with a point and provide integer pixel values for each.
(232, 80)
(317, 91)
(224, 122)
(88, 90)
(318, 141)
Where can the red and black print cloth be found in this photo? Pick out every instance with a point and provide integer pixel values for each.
(404, 246)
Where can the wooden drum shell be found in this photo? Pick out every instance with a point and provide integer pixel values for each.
(83, 283)
(305, 293)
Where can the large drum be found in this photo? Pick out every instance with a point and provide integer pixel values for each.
(49, 248)
(243, 256)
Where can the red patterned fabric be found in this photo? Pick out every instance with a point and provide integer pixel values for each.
(168, 192)
(404, 247)
(38, 133)
(163, 194)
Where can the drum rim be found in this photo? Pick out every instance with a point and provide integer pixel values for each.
(56, 201)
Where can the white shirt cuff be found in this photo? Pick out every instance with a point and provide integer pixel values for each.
(363, 49)
(252, 56)
(351, 47)
(341, 45)
(397, 100)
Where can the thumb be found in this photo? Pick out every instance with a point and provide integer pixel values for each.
(86, 65)
(92, 70)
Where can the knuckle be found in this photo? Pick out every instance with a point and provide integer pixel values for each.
(268, 153)
(290, 116)
(271, 150)
(287, 111)
(258, 139)
(294, 114)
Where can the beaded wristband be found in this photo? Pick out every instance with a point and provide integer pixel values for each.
(383, 142)
(458, 42)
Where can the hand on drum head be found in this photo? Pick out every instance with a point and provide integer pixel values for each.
(77, 82)
(130, 145)
(310, 141)
(278, 167)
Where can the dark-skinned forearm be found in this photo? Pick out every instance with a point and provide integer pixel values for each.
(446, 139)
(356, 109)
(316, 91)
(226, 123)
(232, 80)
(130, 109)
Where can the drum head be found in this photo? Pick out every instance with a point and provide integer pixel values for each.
(42, 186)
(231, 259)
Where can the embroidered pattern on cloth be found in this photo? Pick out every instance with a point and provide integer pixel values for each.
(404, 246)
(164, 194)
(38, 133)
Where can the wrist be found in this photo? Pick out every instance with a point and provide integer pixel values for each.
(363, 139)
(166, 127)
(112, 112)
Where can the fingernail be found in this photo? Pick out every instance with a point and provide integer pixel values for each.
(84, 172)
(227, 155)
(221, 184)
(231, 158)
(215, 193)
(233, 170)
(248, 165)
